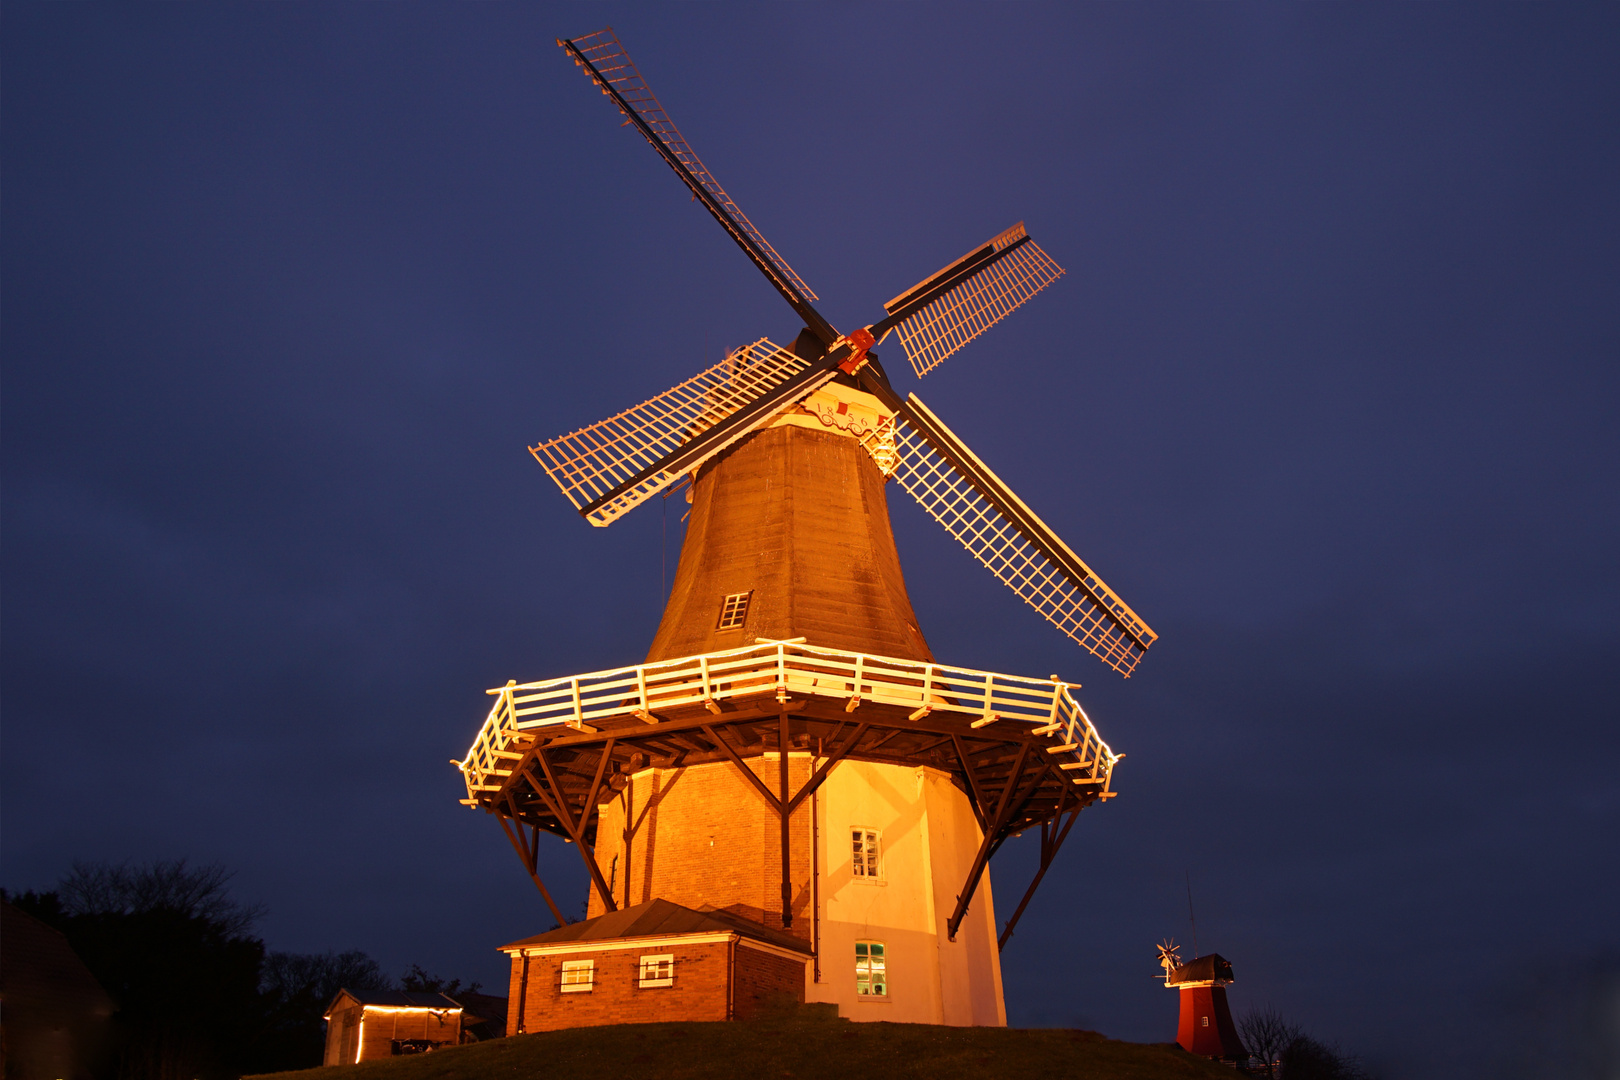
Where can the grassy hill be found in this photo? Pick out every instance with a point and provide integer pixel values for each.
(792, 1047)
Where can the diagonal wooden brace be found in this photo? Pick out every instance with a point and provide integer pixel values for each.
(1004, 809)
(1052, 838)
(527, 853)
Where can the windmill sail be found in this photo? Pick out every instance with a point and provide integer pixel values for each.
(973, 300)
(974, 506)
(602, 57)
(615, 465)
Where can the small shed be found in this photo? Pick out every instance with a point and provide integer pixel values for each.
(363, 1025)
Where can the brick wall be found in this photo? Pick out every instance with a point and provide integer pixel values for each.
(702, 835)
(763, 979)
(700, 991)
(515, 991)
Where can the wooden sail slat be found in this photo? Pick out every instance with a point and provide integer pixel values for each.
(941, 327)
(1004, 535)
(613, 64)
(588, 463)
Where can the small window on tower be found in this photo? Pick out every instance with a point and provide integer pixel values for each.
(871, 970)
(734, 610)
(864, 853)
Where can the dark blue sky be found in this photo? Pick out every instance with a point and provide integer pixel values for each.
(1328, 394)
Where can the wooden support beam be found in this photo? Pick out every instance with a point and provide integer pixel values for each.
(820, 774)
(976, 871)
(565, 814)
(1052, 838)
(736, 759)
(525, 852)
(977, 802)
(590, 809)
(785, 815)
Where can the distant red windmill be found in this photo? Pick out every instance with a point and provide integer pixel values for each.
(1206, 1026)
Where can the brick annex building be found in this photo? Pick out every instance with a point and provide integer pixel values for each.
(789, 797)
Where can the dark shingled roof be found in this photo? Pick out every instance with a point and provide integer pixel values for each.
(399, 998)
(1204, 969)
(660, 918)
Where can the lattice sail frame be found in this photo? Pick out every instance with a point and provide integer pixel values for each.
(1082, 606)
(945, 324)
(588, 463)
(609, 57)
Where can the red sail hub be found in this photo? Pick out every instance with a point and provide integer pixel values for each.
(860, 341)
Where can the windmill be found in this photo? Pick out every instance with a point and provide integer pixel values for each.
(789, 726)
(1205, 1025)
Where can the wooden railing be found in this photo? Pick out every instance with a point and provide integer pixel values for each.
(790, 669)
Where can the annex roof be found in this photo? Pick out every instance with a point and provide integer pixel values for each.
(660, 918)
(397, 999)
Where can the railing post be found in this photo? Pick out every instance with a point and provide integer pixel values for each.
(781, 672)
(641, 685)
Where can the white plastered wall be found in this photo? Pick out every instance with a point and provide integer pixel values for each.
(929, 839)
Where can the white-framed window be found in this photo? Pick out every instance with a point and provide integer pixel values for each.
(578, 976)
(734, 610)
(865, 853)
(657, 970)
(871, 970)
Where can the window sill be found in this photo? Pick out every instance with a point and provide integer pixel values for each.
(873, 999)
(646, 984)
(577, 989)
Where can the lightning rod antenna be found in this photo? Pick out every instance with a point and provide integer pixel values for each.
(1192, 918)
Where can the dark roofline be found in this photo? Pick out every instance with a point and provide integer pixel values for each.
(396, 999)
(659, 919)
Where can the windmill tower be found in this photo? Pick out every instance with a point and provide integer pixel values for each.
(790, 795)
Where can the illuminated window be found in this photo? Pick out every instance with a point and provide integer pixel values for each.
(578, 976)
(734, 610)
(658, 970)
(864, 854)
(871, 973)
(1206, 1021)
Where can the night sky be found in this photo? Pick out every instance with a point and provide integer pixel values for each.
(1328, 394)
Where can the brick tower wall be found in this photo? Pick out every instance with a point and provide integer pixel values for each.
(701, 835)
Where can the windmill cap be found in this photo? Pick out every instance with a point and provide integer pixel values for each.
(1206, 969)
